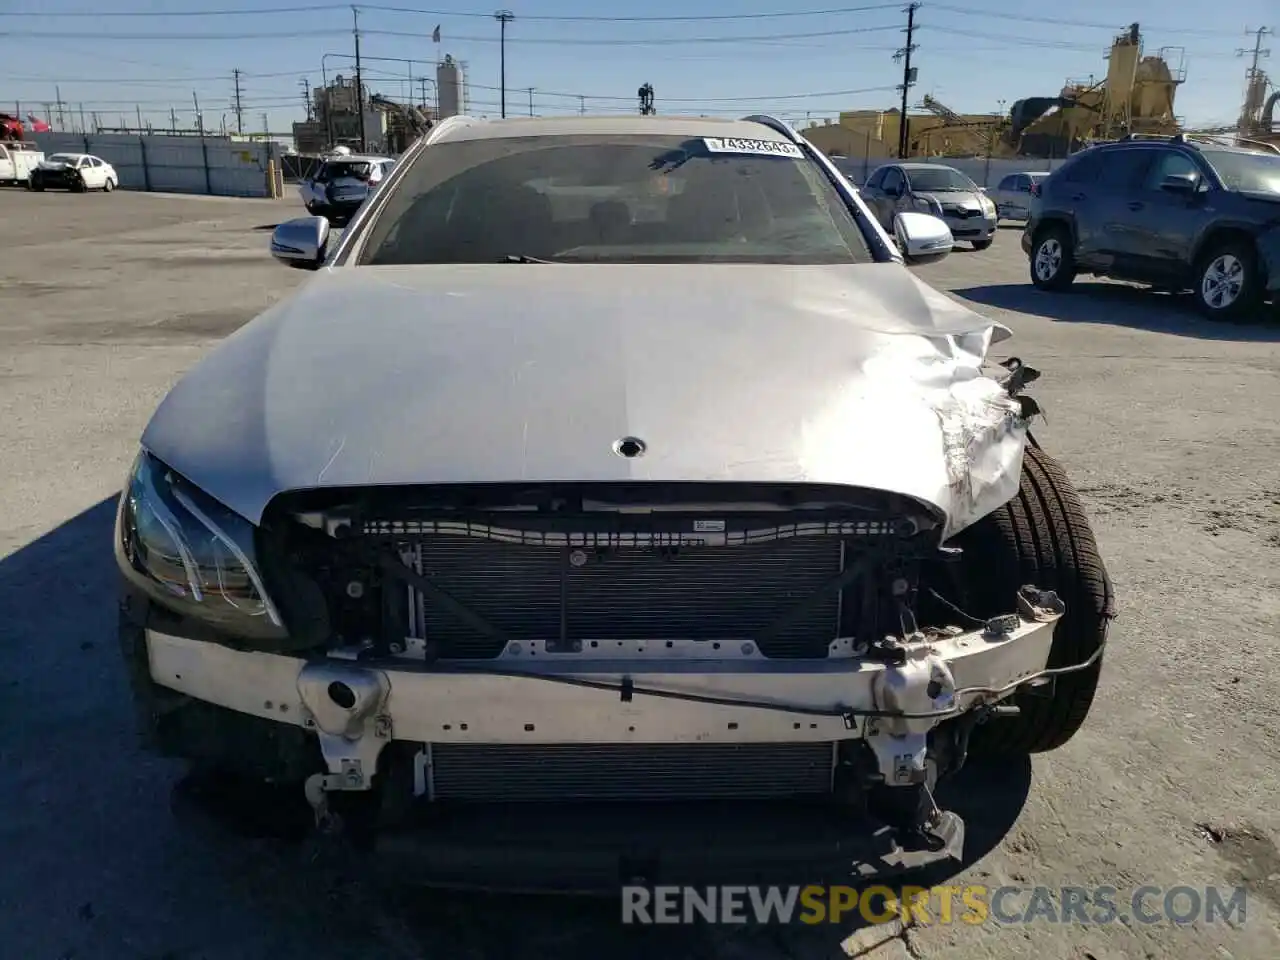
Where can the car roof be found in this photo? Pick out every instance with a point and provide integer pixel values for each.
(468, 128)
(923, 166)
(357, 158)
(1198, 146)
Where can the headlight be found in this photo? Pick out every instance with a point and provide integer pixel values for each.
(191, 553)
(988, 206)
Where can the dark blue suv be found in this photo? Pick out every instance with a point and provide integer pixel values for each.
(1173, 212)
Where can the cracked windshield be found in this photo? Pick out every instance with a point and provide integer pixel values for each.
(733, 481)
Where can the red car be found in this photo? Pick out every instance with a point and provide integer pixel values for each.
(10, 127)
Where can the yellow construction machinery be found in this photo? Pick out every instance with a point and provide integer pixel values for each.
(1135, 97)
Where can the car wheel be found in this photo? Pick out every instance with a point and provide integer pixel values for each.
(983, 244)
(1053, 261)
(35, 184)
(1042, 537)
(109, 185)
(1227, 283)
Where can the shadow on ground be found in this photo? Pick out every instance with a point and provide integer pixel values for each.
(123, 856)
(1121, 305)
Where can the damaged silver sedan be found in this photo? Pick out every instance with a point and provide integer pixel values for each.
(613, 504)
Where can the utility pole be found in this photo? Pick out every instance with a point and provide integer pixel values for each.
(1251, 78)
(83, 128)
(173, 120)
(62, 120)
(306, 96)
(503, 17)
(531, 101)
(266, 128)
(582, 105)
(239, 110)
(199, 116)
(355, 16)
(138, 110)
(422, 82)
(908, 80)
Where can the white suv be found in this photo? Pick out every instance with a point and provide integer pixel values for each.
(342, 183)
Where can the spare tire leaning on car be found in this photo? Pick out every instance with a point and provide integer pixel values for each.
(1041, 537)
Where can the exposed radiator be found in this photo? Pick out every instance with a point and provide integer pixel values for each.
(554, 593)
(621, 772)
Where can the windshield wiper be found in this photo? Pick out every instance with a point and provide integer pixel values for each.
(522, 258)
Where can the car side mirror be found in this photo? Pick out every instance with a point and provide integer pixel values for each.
(1183, 183)
(922, 238)
(301, 243)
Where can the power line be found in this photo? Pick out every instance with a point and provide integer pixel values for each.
(387, 8)
(543, 41)
(159, 80)
(1083, 46)
(1083, 24)
(547, 18)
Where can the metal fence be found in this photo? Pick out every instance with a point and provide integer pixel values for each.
(175, 164)
(299, 166)
(984, 171)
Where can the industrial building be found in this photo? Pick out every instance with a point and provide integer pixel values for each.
(1135, 96)
(389, 126)
(336, 119)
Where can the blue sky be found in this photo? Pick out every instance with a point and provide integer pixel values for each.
(114, 57)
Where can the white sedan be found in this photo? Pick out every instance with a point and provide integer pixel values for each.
(74, 171)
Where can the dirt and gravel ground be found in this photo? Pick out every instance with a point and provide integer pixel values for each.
(1166, 422)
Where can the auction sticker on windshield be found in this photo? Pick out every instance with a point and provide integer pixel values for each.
(768, 148)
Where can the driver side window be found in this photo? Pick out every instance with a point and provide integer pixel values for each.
(893, 182)
(877, 179)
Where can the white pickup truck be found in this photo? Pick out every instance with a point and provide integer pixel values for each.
(17, 159)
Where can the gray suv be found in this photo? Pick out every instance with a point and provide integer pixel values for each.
(1176, 213)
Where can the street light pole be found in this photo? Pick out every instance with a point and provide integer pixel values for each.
(503, 17)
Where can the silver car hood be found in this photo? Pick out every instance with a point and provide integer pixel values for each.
(962, 198)
(858, 375)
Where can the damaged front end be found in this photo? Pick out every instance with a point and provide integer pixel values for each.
(465, 651)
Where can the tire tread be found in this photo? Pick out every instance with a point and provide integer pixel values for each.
(1043, 534)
